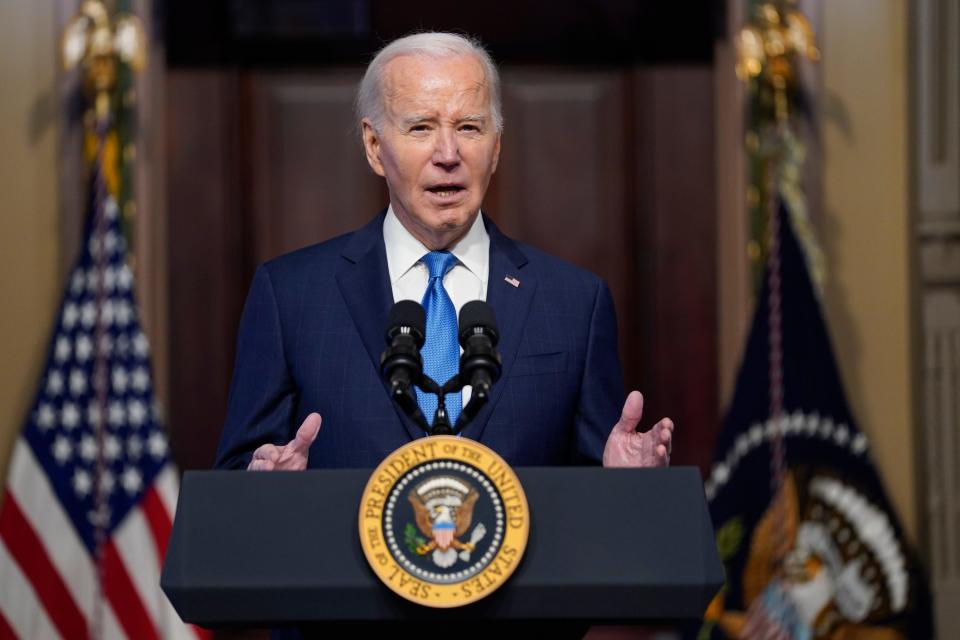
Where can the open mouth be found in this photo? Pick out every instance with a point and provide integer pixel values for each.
(446, 190)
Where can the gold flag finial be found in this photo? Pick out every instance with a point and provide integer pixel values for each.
(108, 45)
(767, 47)
(96, 43)
(770, 49)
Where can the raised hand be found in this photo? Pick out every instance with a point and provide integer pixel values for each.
(627, 447)
(291, 456)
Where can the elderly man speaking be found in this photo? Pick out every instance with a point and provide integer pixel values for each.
(312, 328)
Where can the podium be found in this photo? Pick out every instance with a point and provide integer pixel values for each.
(606, 546)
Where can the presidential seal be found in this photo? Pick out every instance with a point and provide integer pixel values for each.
(443, 521)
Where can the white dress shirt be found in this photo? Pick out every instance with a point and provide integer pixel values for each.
(466, 281)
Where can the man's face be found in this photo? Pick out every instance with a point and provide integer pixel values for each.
(438, 144)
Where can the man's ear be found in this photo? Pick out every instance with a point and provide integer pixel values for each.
(371, 146)
(496, 155)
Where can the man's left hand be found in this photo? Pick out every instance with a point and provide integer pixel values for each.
(627, 447)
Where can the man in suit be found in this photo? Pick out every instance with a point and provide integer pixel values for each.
(313, 326)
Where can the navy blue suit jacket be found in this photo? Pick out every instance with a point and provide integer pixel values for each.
(312, 332)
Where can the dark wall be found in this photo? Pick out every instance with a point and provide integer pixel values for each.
(284, 33)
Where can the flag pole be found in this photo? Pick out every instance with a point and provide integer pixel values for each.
(100, 375)
(768, 52)
(101, 44)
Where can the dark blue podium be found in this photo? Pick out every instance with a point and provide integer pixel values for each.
(606, 546)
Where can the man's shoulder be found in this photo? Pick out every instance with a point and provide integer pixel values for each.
(311, 258)
(323, 259)
(553, 271)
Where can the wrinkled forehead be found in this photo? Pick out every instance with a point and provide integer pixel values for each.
(422, 82)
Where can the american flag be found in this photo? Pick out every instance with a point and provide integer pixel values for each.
(91, 489)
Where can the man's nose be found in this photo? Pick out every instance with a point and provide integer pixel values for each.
(446, 153)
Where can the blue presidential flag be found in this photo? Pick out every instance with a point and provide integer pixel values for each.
(811, 545)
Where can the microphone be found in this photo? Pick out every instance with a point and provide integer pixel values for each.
(401, 364)
(480, 363)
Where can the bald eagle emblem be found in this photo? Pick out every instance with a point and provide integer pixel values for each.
(443, 507)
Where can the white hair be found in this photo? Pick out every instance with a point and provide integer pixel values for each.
(370, 103)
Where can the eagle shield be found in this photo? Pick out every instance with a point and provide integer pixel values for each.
(443, 507)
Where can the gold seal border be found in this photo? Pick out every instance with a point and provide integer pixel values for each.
(516, 521)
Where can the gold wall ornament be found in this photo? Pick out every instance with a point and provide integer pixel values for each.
(97, 43)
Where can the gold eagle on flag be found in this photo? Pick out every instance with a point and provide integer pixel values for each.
(839, 568)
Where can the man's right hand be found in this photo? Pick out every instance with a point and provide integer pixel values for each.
(291, 456)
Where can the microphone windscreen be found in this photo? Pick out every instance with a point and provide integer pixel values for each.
(407, 313)
(478, 313)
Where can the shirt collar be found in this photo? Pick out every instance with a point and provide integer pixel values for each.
(404, 251)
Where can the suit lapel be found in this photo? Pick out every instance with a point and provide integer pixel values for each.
(511, 304)
(364, 283)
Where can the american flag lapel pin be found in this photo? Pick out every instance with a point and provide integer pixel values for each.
(512, 280)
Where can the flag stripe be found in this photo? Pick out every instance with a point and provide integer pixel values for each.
(69, 555)
(168, 488)
(138, 555)
(42, 509)
(25, 546)
(144, 562)
(21, 611)
(111, 626)
(6, 631)
(121, 594)
(174, 628)
(158, 520)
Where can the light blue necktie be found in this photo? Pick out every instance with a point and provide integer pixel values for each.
(441, 351)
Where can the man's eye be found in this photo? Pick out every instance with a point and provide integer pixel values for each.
(419, 127)
(470, 128)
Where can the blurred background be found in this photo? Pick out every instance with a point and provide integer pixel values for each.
(626, 150)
